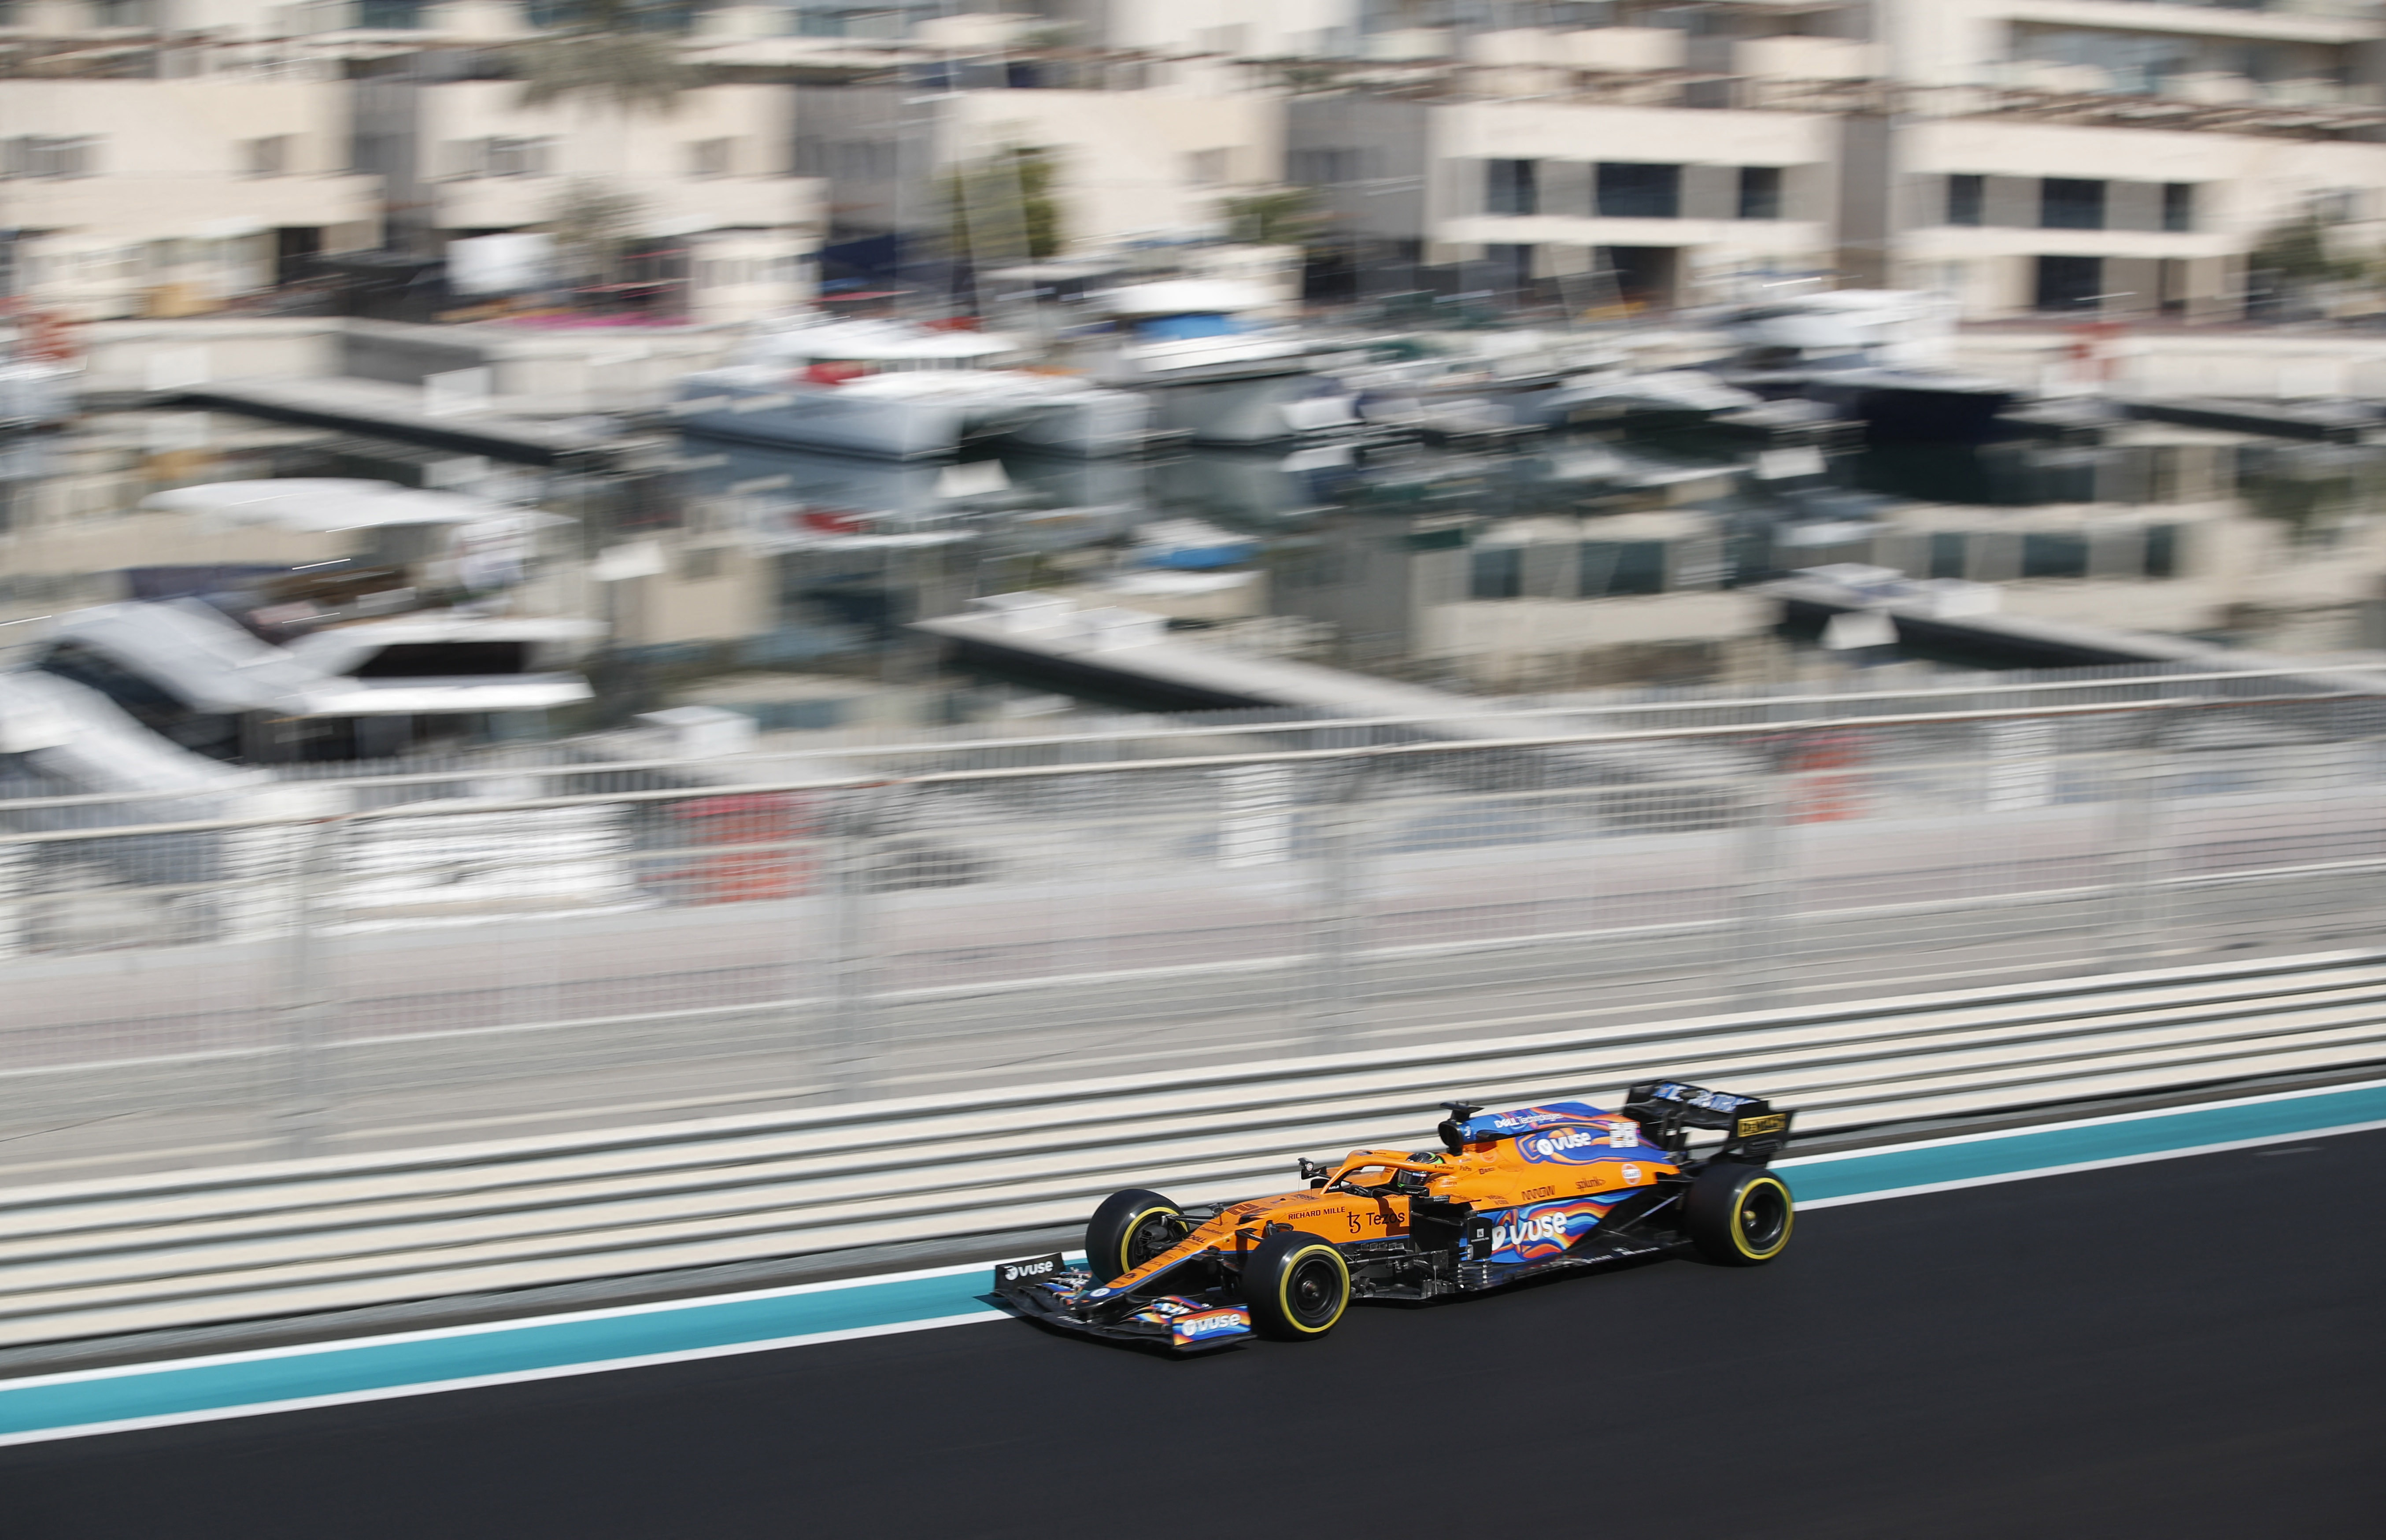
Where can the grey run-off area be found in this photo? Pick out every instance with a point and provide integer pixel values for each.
(186, 993)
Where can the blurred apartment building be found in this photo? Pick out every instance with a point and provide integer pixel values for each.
(2090, 157)
(2113, 156)
(165, 157)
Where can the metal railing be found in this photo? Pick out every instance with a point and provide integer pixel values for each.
(98, 1259)
(346, 973)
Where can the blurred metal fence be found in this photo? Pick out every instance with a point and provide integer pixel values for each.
(318, 969)
(89, 1259)
(626, 764)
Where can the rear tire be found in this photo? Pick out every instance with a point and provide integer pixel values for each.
(1297, 1286)
(1128, 1230)
(1738, 1215)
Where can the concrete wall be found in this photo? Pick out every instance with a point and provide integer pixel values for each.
(1460, 137)
(2243, 184)
(1383, 142)
(652, 159)
(1509, 643)
(1965, 42)
(716, 172)
(1255, 28)
(170, 197)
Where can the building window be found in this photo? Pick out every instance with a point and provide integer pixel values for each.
(2179, 206)
(1968, 199)
(44, 155)
(1511, 264)
(711, 157)
(1760, 192)
(1322, 168)
(499, 156)
(846, 160)
(1509, 187)
(1628, 190)
(2070, 203)
(267, 156)
(123, 13)
(517, 156)
(2335, 205)
(390, 15)
(2070, 283)
(1495, 572)
(1206, 168)
(1621, 567)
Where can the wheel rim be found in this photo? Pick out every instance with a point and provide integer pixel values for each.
(1146, 1239)
(1764, 1217)
(1313, 1293)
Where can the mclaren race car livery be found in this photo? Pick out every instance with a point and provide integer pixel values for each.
(1507, 1196)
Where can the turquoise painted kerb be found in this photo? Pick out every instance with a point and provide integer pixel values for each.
(202, 1386)
(337, 1369)
(2040, 1149)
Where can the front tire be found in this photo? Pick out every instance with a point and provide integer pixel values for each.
(1128, 1230)
(1738, 1215)
(1297, 1286)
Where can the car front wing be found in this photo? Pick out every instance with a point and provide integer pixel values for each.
(1043, 1290)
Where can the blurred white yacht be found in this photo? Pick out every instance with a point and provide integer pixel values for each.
(34, 392)
(1215, 371)
(896, 390)
(1877, 356)
(406, 642)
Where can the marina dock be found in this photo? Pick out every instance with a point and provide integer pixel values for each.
(388, 409)
(1955, 619)
(1128, 655)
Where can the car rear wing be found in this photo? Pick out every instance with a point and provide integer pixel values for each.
(1667, 1110)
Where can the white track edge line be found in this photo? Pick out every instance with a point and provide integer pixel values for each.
(512, 1377)
(436, 1333)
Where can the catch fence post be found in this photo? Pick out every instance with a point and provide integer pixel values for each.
(2134, 918)
(1337, 920)
(304, 1002)
(852, 968)
(1758, 932)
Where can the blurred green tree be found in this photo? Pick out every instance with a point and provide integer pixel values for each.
(593, 225)
(1001, 208)
(1278, 216)
(622, 54)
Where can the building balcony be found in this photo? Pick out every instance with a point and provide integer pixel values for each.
(2322, 21)
(121, 208)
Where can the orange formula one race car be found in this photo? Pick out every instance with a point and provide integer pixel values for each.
(1509, 1195)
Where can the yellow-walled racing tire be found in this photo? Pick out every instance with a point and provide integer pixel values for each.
(1128, 1230)
(1297, 1286)
(1738, 1215)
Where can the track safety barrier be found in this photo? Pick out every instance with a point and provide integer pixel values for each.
(104, 1258)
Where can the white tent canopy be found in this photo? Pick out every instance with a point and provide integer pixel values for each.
(328, 506)
(874, 342)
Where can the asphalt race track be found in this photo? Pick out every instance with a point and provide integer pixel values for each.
(2185, 1348)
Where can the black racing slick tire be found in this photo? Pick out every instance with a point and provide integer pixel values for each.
(1128, 1230)
(1738, 1215)
(1297, 1286)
